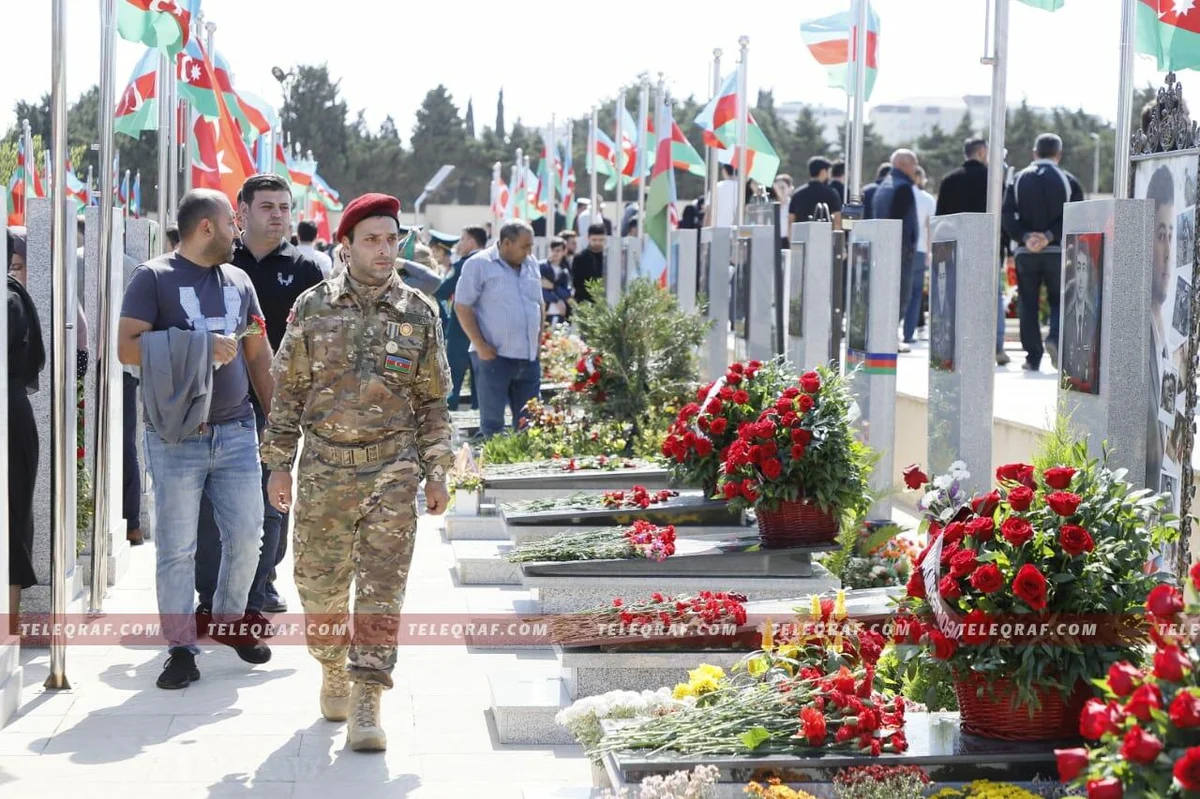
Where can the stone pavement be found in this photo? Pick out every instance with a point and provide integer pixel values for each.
(257, 732)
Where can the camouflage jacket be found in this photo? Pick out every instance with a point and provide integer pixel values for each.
(354, 376)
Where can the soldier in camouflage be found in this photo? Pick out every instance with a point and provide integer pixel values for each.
(362, 373)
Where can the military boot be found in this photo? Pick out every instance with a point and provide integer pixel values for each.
(366, 732)
(335, 692)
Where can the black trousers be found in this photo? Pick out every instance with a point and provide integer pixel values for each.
(1033, 271)
(131, 507)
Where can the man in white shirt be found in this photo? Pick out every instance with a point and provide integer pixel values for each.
(727, 197)
(926, 203)
(306, 233)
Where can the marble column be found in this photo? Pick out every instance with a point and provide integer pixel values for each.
(808, 309)
(712, 289)
(682, 255)
(761, 285)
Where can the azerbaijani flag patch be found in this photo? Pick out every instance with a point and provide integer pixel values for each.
(395, 363)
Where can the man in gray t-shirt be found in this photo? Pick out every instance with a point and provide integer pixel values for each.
(195, 288)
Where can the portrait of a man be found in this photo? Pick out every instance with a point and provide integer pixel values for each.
(943, 302)
(1083, 272)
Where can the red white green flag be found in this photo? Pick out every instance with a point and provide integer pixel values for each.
(1169, 30)
(197, 81)
(220, 158)
(137, 110)
(659, 202)
(162, 24)
(718, 120)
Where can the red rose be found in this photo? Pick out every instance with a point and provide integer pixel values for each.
(749, 491)
(1140, 747)
(948, 587)
(1030, 587)
(805, 403)
(1195, 575)
(810, 382)
(704, 447)
(914, 478)
(1171, 664)
(797, 451)
(1020, 498)
(741, 396)
(1064, 503)
(981, 528)
(976, 626)
(1075, 540)
(717, 426)
(954, 533)
(801, 436)
(963, 563)
(1059, 477)
(1016, 531)
(943, 647)
(813, 722)
(733, 379)
(735, 369)
(1164, 601)
(702, 393)
(1185, 710)
(79, 453)
(1071, 762)
(1097, 719)
(1122, 676)
(986, 505)
(916, 585)
(714, 406)
(1146, 697)
(726, 393)
(987, 578)
(1187, 769)
(731, 490)
(1016, 473)
(772, 468)
(1107, 788)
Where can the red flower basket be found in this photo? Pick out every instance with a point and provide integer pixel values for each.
(796, 523)
(995, 716)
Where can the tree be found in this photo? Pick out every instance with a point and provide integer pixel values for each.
(500, 115)
(806, 140)
(469, 121)
(439, 138)
(315, 115)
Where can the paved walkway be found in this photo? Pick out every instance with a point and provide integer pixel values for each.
(257, 732)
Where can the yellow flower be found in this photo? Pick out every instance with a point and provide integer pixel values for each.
(814, 606)
(768, 636)
(705, 685)
(839, 605)
(682, 691)
(705, 670)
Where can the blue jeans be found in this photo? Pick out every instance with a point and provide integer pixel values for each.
(460, 365)
(221, 464)
(912, 306)
(504, 382)
(274, 545)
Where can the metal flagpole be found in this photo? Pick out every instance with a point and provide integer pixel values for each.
(619, 140)
(128, 207)
(512, 192)
(592, 161)
(108, 474)
(173, 152)
(743, 130)
(551, 161)
(999, 108)
(710, 154)
(62, 429)
(90, 177)
(567, 201)
(163, 93)
(517, 184)
(640, 170)
(30, 164)
(497, 209)
(855, 165)
(1124, 103)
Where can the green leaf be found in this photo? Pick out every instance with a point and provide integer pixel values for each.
(754, 737)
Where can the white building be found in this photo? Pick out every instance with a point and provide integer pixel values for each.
(906, 121)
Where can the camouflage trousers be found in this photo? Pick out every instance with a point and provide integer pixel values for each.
(355, 526)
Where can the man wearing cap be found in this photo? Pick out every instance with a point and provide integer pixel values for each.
(362, 373)
(442, 245)
(499, 304)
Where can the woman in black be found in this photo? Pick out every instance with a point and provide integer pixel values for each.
(26, 358)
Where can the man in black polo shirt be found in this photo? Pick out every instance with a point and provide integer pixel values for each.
(280, 273)
(816, 192)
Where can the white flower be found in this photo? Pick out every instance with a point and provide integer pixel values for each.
(929, 499)
(942, 481)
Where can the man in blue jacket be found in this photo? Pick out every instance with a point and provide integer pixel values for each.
(556, 283)
(896, 199)
(473, 240)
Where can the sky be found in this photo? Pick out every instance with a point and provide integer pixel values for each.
(387, 55)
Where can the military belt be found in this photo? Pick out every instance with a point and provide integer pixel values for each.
(345, 455)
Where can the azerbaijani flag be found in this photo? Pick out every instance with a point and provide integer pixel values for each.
(602, 160)
(499, 197)
(831, 41)
(221, 160)
(683, 154)
(328, 197)
(718, 120)
(76, 188)
(162, 24)
(136, 199)
(252, 118)
(1169, 30)
(198, 82)
(659, 201)
(629, 138)
(261, 114)
(566, 185)
(137, 110)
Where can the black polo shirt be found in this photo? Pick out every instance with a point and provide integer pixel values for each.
(279, 279)
(805, 200)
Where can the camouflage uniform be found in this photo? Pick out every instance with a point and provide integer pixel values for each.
(366, 382)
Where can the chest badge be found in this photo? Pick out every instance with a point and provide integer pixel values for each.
(285, 281)
(393, 329)
(391, 347)
(406, 329)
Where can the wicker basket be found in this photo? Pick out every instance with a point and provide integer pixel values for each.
(796, 524)
(996, 715)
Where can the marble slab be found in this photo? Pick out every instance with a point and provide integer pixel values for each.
(689, 508)
(516, 488)
(520, 534)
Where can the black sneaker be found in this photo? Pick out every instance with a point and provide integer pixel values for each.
(260, 625)
(203, 621)
(274, 604)
(1028, 367)
(237, 636)
(180, 670)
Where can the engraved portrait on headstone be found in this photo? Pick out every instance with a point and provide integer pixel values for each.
(943, 302)
(1082, 311)
(860, 292)
(795, 324)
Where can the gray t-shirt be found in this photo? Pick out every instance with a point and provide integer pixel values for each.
(172, 292)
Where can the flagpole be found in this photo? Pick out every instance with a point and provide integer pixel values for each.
(710, 154)
(999, 109)
(108, 474)
(1124, 102)
(619, 141)
(162, 91)
(512, 193)
(128, 197)
(592, 161)
(641, 160)
(30, 165)
(551, 172)
(743, 110)
(497, 210)
(517, 187)
(173, 151)
(525, 177)
(855, 156)
(62, 323)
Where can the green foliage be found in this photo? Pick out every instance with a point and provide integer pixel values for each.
(931, 685)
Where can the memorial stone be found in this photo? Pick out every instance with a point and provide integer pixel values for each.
(873, 313)
(712, 288)
(682, 259)
(614, 270)
(1103, 330)
(761, 261)
(807, 295)
(962, 345)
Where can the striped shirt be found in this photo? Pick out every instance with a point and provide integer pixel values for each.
(506, 302)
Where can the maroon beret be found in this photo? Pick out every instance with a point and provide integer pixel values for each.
(367, 205)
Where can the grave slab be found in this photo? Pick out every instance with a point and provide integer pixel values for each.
(474, 528)
(524, 533)
(524, 709)
(483, 563)
(689, 508)
(501, 485)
